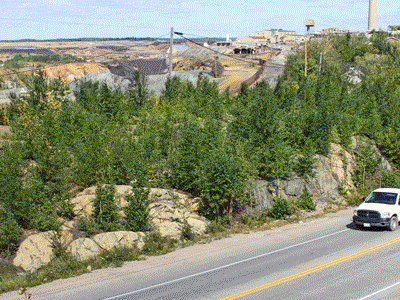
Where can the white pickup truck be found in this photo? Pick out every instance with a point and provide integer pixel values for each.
(380, 208)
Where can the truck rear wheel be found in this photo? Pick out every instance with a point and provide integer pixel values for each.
(393, 223)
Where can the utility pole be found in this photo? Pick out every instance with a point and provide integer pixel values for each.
(309, 24)
(320, 63)
(305, 57)
(171, 45)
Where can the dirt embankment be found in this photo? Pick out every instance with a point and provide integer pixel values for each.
(70, 72)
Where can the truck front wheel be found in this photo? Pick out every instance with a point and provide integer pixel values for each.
(393, 223)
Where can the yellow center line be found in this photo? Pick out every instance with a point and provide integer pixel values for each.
(312, 270)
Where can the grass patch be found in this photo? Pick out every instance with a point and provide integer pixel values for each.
(155, 244)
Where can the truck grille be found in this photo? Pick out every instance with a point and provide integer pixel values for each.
(369, 214)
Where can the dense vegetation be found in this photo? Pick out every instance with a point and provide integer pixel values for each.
(19, 60)
(194, 138)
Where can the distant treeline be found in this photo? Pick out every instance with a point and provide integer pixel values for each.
(88, 39)
(92, 39)
(17, 61)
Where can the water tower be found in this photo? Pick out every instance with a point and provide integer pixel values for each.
(309, 24)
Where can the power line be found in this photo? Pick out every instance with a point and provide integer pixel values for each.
(251, 60)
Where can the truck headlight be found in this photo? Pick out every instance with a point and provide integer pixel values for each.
(355, 212)
(385, 215)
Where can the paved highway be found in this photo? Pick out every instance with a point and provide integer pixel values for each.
(325, 258)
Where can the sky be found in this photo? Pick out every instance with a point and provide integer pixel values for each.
(51, 19)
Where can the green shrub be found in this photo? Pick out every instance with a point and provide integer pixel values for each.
(225, 220)
(44, 222)
(9, 232)
(244, 219)
(265, 215)
(214, 227)
(65, 210)
(366, 164)
(7, 270)
(222, 181)
(155, 244)
(88, 225)
(390, 180)
(187, 233)
(354, 200)
(105, 209)
(280, 209)
(137, 211)
(118, 255)
(304, 164)
(305, 201)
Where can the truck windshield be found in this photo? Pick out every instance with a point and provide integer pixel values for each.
(380, 197)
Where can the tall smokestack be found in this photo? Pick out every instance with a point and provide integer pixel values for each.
(372, 16)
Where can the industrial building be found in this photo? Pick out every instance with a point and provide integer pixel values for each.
(333, 31)
(276, 35)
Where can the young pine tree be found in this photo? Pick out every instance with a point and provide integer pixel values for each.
(105, 209)
(137, 211)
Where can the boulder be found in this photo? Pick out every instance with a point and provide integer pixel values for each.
(179, 199)
(66, 231)
(169, 217)
(83, 248)
(83, 205)
(294, 187)
(171, 229)
(35, 251)
(109, 240)
(198, 224)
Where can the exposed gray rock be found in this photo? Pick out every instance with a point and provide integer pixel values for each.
(295, 187)
(332, 172)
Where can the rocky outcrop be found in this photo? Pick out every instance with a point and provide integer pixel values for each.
(169, 210)
(333, 175)
(83, 202)
(108, 240)
(35, 251)
(84, 248)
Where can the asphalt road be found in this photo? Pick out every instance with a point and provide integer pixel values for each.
(325, 258)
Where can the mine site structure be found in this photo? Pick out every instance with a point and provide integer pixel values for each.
(309, 24)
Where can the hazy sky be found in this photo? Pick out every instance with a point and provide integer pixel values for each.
(47, 19)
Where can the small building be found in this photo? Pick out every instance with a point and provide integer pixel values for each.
(392, 39)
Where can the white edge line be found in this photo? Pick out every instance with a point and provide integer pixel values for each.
(224, 266)
(377, 292)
